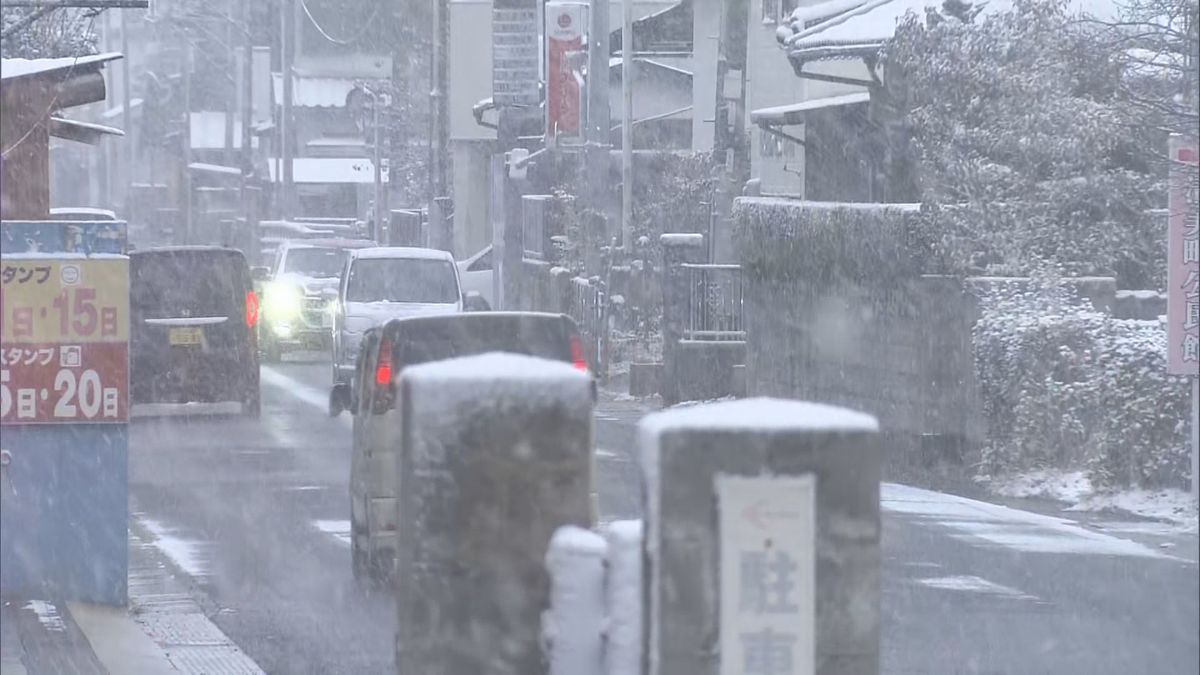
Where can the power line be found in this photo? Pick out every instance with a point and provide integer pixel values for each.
(80, 4)
(365, 25)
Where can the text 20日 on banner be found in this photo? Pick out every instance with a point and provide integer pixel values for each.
(1183, 264)
(64, 352)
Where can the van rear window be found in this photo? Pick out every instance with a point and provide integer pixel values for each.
(467, 335)
(170, 284)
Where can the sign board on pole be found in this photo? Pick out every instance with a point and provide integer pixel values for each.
(1183, 263)
(768, 566)
(515, 57)
(64, 352)
(565, 59)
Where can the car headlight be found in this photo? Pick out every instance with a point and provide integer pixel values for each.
(282, 302)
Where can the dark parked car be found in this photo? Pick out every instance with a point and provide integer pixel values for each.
(371, 397)
(193, 338)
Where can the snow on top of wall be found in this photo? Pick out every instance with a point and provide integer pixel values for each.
(784, 202)
(681, 239)
(760, 414)
(570, 539)
(1141, 295)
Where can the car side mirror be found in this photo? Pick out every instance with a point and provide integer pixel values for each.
(339, 399)
(474, 302)
(260, 273)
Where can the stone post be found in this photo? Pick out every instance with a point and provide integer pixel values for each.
(495, 457)
(677, 249)
(762, 538)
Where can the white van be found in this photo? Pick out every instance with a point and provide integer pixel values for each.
(386, 282)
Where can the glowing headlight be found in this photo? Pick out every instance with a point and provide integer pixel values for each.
(282, 302)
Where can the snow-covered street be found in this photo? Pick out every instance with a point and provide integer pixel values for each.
(261, 525)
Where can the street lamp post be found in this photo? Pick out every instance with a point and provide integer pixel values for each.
(377, 99)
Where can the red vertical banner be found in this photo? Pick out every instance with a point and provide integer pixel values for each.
(1183, 259)
(564, 78)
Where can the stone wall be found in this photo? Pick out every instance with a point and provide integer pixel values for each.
(837, 310)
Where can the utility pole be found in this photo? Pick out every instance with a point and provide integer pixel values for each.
(185, 139)
(247, 107)
(598, 129)
(286, 132)
(627, 126)
(127, 102)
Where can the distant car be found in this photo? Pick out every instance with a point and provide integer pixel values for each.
(384, 283)
(371, 397)
(476, 273)
(299, 295)
(193, 338)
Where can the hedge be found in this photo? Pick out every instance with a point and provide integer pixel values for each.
(1064, 386)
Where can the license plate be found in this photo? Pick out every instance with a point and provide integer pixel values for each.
(186, 336)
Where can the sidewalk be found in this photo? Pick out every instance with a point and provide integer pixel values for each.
(162, 630)
(41, 636)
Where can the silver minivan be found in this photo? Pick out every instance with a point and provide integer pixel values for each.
(386, 282)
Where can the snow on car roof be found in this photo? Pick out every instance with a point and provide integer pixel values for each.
(403, 252)
(328, 243)
(496, 366)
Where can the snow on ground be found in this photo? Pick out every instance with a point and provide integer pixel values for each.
(47, 614)
(187, 554)
(1073, 488)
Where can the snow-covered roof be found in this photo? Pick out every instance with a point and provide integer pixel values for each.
(495, 366)
(104, 214)
(328, 170)
(314, 92)
(336, 142)
(793, 113)
(83, 132)
(215, 168)
(857, 26)
(409, 252)
(11, 69)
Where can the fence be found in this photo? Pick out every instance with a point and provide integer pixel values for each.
(588, 307)
(714, 303)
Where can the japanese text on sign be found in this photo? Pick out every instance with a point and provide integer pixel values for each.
(767, 532)
(64, 352)
(1183, 263)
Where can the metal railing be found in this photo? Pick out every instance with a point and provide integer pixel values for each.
(588, 309)
(714, 304)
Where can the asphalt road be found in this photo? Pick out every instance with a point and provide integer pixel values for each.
(256, 513)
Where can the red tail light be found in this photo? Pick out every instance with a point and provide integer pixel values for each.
(385, 391)
(383, 369)
(251, 309)
(578, 358)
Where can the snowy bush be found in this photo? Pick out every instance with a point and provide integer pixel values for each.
(1064, 386)
(1025, 146)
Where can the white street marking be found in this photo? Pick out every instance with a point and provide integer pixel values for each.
(338, 529)
(973, 584)
(973, 520)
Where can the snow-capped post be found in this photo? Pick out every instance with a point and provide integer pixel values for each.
(678, 248)
(495, 456)
(623, 652)
(762, 539)
(573, 627)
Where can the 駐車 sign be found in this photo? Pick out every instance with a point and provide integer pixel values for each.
(64, 339)
(767, 553)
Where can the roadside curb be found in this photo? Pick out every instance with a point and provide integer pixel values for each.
(118, 641)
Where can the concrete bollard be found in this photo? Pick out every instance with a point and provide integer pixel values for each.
(623, 655)
(762, 539)
(573, 627)
(495, 457)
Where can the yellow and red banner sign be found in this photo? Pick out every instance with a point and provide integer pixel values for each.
(64, 339)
